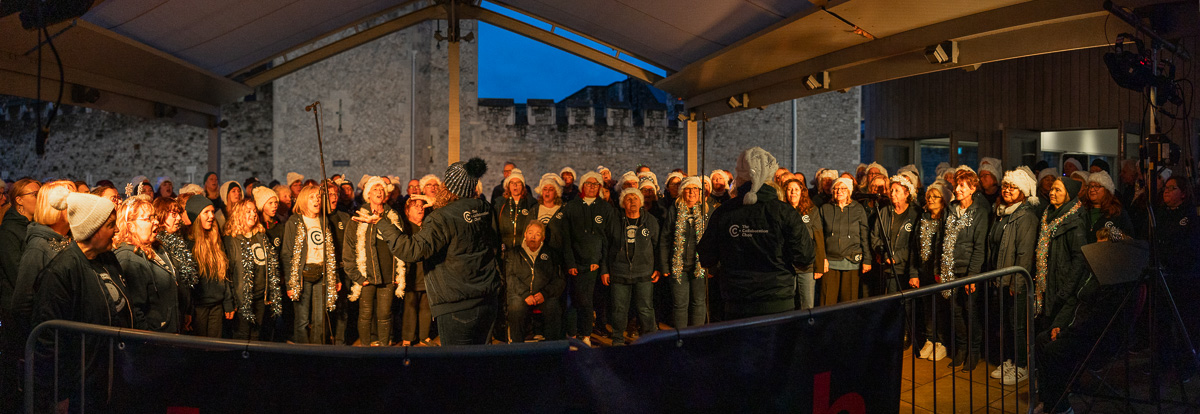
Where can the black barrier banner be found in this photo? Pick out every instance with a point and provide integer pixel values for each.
(847, 361)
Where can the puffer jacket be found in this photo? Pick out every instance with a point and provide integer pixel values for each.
(1066, 266)
(41, 245)
(1013, 242)
(458, 245)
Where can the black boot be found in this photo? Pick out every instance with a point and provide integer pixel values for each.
(959, 357)
(971, 362)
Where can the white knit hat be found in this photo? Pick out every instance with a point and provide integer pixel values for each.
(693, 181)
(728, 177)
(882, 170)
(1078, 165)
(85, 212)
(362, 182)
(191, 189)
(648, 175)
(293, 177)
(591, 175)
(941, 169)
(373, 181)
(553, 180)
(843, 180)
(1083, 175)
(646, 182)
(1047, 171)
(912, 178)
(912, 190)
(262, 195)
(991, 165)
(633, 191)
(568, 170)
(1022, 178)
(674, 175)
(162, 180)
(427, 179)
(755, 166)
(829, 173)
(1104, 180)
(909, 167)
(629, 176)
(516, 174)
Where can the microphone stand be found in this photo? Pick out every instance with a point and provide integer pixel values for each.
(324, 191)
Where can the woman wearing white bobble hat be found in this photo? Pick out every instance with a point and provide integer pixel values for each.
(549, 211)
(685, 222)
(373, 281)
(1011, 242)
(847, 244)
(1104, 209)
(82, 284)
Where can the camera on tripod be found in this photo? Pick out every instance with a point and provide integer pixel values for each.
(1158, 149)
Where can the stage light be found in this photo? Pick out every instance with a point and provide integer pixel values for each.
(942, 53)
(816, 81)
(739, 102)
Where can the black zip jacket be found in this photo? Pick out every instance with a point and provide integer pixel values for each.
(41, 245)
(755, 249)
(527, 276)
(151, 289)
(458, 245)
(847, 232)
(633, 254)
(970, 249)
(12, 246)
(513, 216)
(1066, 266)
(589, 232)
(901, 231)
(1013, 242)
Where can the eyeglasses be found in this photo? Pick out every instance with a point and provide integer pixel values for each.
(1095, 185)
(150, 219)
(27, 193)
(1009, 187)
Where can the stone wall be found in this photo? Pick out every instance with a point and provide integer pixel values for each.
(93, 145)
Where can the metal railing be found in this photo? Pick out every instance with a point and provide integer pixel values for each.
(118, 338)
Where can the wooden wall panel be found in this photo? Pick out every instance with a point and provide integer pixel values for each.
(1069, 90)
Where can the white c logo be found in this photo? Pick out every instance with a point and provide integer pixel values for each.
(734, 231)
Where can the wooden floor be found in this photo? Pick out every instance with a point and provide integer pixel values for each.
(932, 387)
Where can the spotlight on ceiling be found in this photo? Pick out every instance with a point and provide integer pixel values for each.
(739, 101)
(819, 80)
(942, 53)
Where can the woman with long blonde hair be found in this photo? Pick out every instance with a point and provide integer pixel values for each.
(310, 266)
(211, 297)
(253, 270)
(149, 274)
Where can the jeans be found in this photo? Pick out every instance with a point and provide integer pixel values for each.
(247, 330)
(208, 321)
(581, 296)
(642, 296)
(518, 318)
(310, 327)
(968, 325)
(417, 317)
(690, 297)
(839, 286)
(1019, 325)
(805, 291)
(470, 326)
(375, 308)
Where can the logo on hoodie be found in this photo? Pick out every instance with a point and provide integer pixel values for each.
(471, 216)
(907, 227)
(544, 256)
(599, 219)
(742, 230)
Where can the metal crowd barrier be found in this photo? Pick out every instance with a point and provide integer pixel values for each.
(579, 380)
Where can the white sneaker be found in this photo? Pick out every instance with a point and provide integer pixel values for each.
(939, 352)
(926, 351)
(1014, 376)
(1001, 369)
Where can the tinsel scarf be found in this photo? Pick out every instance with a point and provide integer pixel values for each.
(185, 264)
(330, 266)
(1043, 253)
(953, 226)
(246, 246)
(700, 217)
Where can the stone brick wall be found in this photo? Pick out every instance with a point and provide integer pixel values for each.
(94, 145)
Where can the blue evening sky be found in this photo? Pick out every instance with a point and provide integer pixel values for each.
(514, 66)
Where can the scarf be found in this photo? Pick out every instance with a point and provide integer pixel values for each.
(185, 264)
(699, 216)
(954, 225)
(246, 247)
(330, 268)
(1043, 253)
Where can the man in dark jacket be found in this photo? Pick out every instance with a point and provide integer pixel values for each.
(457, 244)
(755, 241)
(588, 218)
(535, 282)
(633, 265)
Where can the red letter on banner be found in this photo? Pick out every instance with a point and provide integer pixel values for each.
(851, 403)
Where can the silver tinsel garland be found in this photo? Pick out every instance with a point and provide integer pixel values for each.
(186, 273)
(272, 268)
(953, 226)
